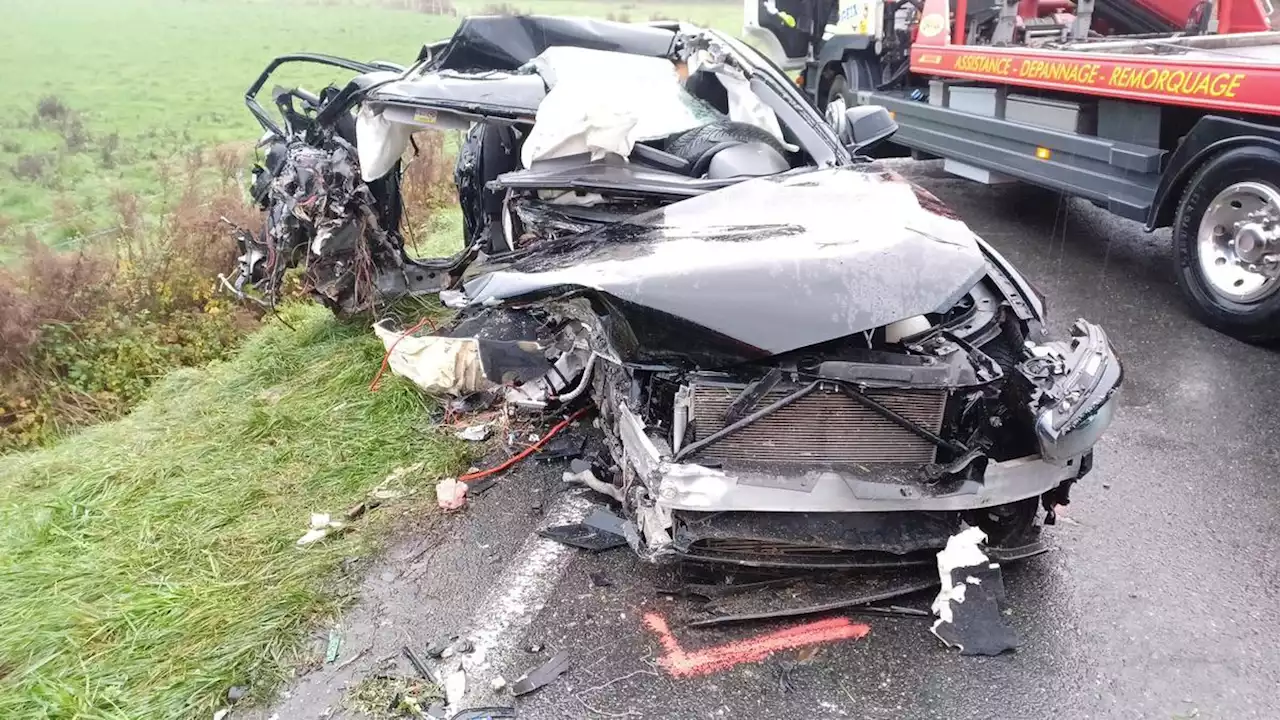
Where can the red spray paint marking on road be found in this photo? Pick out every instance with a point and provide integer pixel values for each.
(679, 663)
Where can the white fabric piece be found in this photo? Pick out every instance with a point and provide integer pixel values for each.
(744, 105)
(962, 550)
(439, 365)
(379, 142)
(603, 102)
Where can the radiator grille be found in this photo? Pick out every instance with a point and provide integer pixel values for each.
(824, 429)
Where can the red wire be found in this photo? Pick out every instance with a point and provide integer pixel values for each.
(527, 451)
(386, 357)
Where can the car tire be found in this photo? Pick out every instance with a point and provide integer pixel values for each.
(1251, 320)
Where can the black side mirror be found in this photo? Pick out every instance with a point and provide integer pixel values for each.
(862, 126)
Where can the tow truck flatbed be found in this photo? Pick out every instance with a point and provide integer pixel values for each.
(1235, 73)
(1162, 111)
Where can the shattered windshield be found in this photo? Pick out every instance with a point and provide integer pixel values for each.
(700, 109)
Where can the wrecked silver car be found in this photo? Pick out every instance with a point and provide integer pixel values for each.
(797, 357)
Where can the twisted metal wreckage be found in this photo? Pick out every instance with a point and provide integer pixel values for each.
(798, 358)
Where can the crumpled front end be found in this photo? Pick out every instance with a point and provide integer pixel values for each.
(868, 450)
(848, 468)
(808, 394)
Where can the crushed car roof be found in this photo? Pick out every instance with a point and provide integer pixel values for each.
(504, 42)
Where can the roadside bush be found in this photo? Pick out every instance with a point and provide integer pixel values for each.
(52, 109)
(74, 133)
(427, 183)
(435, 7)
(500, 9)
(32, 168)
(84, 334)
(53, 112)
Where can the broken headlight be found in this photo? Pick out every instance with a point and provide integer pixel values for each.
(1073, 391)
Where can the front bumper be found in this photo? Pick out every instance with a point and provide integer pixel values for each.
(687, 486)
(1072, 395)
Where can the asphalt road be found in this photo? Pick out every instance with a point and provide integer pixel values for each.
(1158, 600)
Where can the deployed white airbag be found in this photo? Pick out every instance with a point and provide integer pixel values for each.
(439, 365)
(603, 102)
(379, 143)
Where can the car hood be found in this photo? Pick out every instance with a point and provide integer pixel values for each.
(760, 268)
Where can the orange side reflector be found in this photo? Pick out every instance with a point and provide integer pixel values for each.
(1043, 153)
(893, 115)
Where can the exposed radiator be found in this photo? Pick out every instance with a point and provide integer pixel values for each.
(822, 429)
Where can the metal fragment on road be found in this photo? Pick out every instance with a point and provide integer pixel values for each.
(418, 666)
(583, 536)
(542, 675)
(486, 713)
(600, 531)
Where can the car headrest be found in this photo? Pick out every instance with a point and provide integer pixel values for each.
(749, 159)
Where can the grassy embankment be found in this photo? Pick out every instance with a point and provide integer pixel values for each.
(148, 564)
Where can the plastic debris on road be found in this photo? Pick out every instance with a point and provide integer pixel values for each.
(334, 647)
(451, 494)
(320, 527)
(475, 433)
(968, 605)
(542, 675)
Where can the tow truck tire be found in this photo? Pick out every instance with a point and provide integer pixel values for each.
(835, 89)
(1254, 322)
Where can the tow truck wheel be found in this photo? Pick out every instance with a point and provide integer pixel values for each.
(835, 93)
(1227, 243)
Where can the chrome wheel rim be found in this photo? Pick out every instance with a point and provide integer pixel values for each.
(1238, 242)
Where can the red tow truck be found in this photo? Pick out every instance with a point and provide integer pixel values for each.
(1162, 111)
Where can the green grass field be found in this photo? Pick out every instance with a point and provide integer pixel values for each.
(140, 82)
